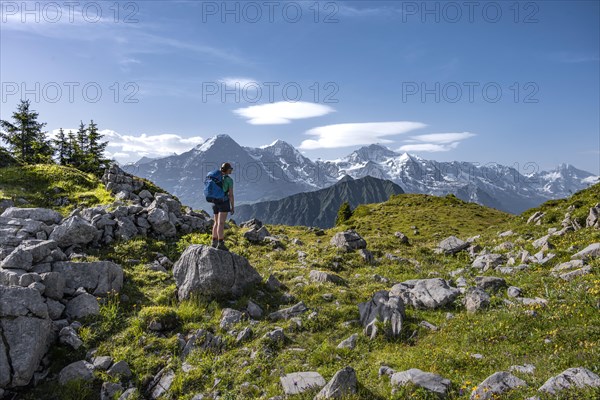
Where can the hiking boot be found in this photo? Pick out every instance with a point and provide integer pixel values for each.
(214, 243)
(221, 246)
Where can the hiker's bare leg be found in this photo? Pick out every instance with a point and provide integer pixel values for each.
(215, 228)
(221, 227)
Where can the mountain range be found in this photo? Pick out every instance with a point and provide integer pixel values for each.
(279, 170)
(319, 208)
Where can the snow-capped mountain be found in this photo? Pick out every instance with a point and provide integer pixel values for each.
(492, 185)
(279, 170)
(270, 173)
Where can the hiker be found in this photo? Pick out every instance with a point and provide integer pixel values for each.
(218, 189)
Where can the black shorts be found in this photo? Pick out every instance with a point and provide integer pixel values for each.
(219, 207)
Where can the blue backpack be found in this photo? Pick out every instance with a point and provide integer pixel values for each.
(213, 188)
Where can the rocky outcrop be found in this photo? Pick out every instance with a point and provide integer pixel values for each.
(425, 293)
(384, 308)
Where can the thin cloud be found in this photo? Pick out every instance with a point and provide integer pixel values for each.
(349, 11)
(435, 142)
(443, 138)
(239, 82)
(567, 57)
(282, 112)
(129, 148)
(428, 147)
(353, 134)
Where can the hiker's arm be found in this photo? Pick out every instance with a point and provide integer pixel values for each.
(231, 199)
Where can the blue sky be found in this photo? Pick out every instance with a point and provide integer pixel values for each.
(505, 82)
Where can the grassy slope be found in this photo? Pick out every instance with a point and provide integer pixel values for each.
(504, 335)
(42, 185)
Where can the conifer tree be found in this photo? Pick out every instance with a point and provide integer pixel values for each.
(344, 213)
(61, 147)
(25, 138)
(95, 151)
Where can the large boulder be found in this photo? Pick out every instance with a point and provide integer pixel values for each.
(384, 308)
(428, 381)
(73, 230)
(572, 377)
(348, 240)
(44, 215)
(425, 293)
(98, 278)
(209, 272)
(27, 340)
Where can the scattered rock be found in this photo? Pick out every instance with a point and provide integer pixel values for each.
(572, 377)
(256, 235)
(102, 363)
(490, 283)
(536, 218)
(348, 240)
(80, 370)
(485, 262)
(343, 383)
(428, 381)
(349, 343)
(514, 291)
(68, 336)
(230, 317)
(254, 310)
(451, 245)
(590, 252)
(273, 284)
(289, 312)
(109, 390)
(402, 238)
(367, 256)
(161, 384)
(524, 369)
(299, 382)
(321, 276)
(496, 384)
(204, 340)
(476, 299)
(120, 369)
(245, 334)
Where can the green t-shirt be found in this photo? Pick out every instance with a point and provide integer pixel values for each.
(227, 184)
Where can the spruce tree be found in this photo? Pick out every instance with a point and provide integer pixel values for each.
(95, 151)
(73, 150)
(344, 213)
(61, 147)
(25, 138)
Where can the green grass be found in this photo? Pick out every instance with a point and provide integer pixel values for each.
(564, 334)
(44, 185)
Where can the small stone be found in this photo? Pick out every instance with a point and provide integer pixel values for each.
(349, 343)
(121, 369)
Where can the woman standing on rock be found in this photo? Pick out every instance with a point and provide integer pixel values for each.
(218, 189)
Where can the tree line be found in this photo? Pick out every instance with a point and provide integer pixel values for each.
(27, 142)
